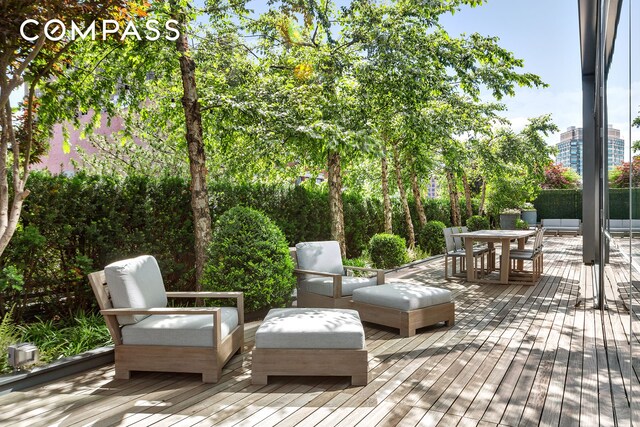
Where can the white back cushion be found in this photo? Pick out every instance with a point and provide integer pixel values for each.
(320, 256)
(135, 283)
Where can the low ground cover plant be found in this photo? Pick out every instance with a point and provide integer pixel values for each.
(56, 337)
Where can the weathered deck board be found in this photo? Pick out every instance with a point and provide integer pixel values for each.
(517, 355)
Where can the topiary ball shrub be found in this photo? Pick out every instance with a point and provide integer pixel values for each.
(431, 237)
(388, 251)
(477, 222)
(249, 253)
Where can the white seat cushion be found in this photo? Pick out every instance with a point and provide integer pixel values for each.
(179, 329)
(402, 296)
(324, 285)
(318, 328)
(320, 256)
(135, 283)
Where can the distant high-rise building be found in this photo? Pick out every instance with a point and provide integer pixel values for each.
(570, 149)
(432, 189)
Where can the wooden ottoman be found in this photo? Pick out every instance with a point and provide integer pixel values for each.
(404, 306)
(310, 341)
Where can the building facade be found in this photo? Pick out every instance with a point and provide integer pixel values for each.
(570, 148)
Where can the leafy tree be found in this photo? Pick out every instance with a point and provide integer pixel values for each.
(619, 176)
(403, 88)
(158, 75)
(557, 176)
(521, 159)
(35, 61)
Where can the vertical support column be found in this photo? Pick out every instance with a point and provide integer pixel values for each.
(590, 173)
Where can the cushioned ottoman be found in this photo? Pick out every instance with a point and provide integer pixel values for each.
(404, 306)
(310, 341)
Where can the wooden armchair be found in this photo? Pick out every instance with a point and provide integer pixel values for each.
(321, 278)
(149, 336)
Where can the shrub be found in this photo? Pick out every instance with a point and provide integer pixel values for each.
(356, 262)
(521, 224)
(56, 338)
(431, 237)
(478, 222)
(388, 250)
(249, 253)
(8, 335)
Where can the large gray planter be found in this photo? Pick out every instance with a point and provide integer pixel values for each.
(508, 221)
(531, 217)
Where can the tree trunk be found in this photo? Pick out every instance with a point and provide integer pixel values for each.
(336, 208)
(403, 198)
(483, 194)
(388, 217)
(195, 145)
(417, 196)
(467, 195)
(454, 199)
(10, 212)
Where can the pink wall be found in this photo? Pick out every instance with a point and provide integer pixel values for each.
(57, 161)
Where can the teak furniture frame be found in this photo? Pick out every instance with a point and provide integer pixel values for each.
(310, 362)
(157, 358)
(310, 299)
(406, 321)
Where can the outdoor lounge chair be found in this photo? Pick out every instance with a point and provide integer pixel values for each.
(321, 278)
(149, 336)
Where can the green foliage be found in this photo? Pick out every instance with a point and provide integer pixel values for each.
(619, 176)
(568, 203)
(509, 192)
(521, 224)
(431, 237)
(619, 203)
(72, 226)
(56, 338)
(477, 222)
(8, 335)
(559, 204)
(249, 253)
(362, 261)
(558, 177)
(388, 251)
(11, 279)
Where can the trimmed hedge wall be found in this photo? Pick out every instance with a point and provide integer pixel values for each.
(568, 203)
(559, 204)
(619, 203)
(71, 226)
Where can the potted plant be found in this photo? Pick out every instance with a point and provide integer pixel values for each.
(529, 213)
(508, 218)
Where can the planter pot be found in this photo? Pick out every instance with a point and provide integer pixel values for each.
(508, 221)
(530, 216)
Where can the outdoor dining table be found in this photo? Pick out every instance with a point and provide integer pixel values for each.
(491, 237)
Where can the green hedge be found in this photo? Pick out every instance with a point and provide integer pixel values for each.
(559, 204)
(619, 203)
(71, 226)
(568, 203)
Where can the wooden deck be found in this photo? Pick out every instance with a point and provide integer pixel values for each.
(517, 355)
